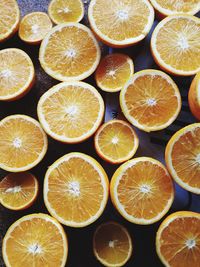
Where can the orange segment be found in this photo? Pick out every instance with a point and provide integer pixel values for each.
(142, 190)
(112, 244)
(116, 141)
(23, 143)
(194, 96)
(18, 190)
(113, 72)
(178, 240)
(145, 101)
(35, 240)
(81, 185)
(69, 52)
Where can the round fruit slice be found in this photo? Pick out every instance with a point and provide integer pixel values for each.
(142, 190)
(175, 44)
(76, 190)
(17, 74)
(112, 244)
(18, 191)
(35, 240)
(177, 240)
(9, 18)
(151, 101)
(194, 96)
(71, 112)
(62, 11)
(69, 52)
(116, 141)
(113, 72)
(23, 143)
(123, 23)
(182, 157)
(34, 27)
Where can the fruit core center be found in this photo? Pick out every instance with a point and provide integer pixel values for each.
(5, 73)
(15, 189)
(64, 10)
(35, 249)
(111, 73)
(71, 53)
(190, 243)
(71, 110)
(17, 142)
(115, 140)
(74, 188)
(35, 28)
(198, 158)
(183, 42)
(145, 189)
(111, 243)
(151, 102)
(122, 14)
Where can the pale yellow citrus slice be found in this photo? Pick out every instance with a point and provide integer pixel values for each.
(194, 96)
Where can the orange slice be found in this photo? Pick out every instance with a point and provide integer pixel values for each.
(113, 72)
(178, 240)
(69, 52)
(61, 11)
(71, 112)
(151, 101)
(194, 96)
(35, 240)
(116, 141)
(142, 190)
(78, 182)
(34, 27)
(123, 23)
(182, 157)
(18, 190)
(112, 244)
(17, 74)
(23, 143)
(9, 18)
(175, 44)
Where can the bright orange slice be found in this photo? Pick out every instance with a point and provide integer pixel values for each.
(178, 240)
(121, 23)
(35, 240)
(116, 141)
(151, 101)
(69, 52)
(23, 143)
(175, 44)
(112, 244)
(113, 72)
(79, 183)
(142, 190)
(182, 157)
(194, 96)
(18, 190)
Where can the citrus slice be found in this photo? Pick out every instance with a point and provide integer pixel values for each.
(78, 183)
(71, 112)
(123, 23)
(112, 244)
(142, 190)
(69, 52)
(113, 72)
(182, 157)
(151, 101)
(116, 141)
(61, 11)
(17, 74)
(194, 96)
(175, 44)
(18, 190)
(34, 27)
(9, 18)
(177, 240)
(35, 240)
(23, 143)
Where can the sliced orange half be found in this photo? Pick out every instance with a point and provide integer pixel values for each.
(116, 141)
(113, 72)
(112, 244)
(182, 157)
(69, 52)
(151, 101)
(121, 23)
(194, 96)
(76, 190)
(61, 11)
(178, 240)
(17, 74)
(23, 143)
(142, 190)
(18, 191)
(175, 44)
(35, 240)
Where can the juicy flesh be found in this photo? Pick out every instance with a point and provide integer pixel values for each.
(178, 5)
